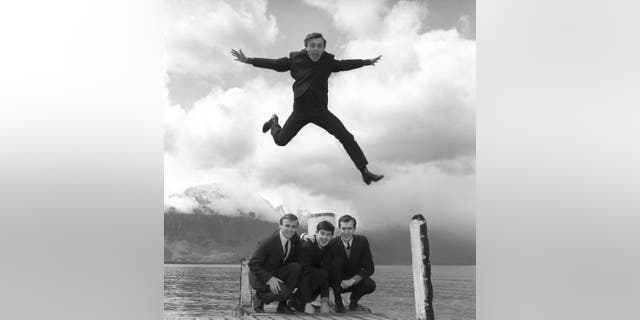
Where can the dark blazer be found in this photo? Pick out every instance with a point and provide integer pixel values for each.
(307, 73)
(310, 256)
(268, 258)
(360, 261)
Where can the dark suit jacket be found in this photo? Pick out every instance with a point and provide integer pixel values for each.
(360, 261)
(307, 73)
(268, 258)
(310, 256)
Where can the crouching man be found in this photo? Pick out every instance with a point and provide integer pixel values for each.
(315, 263)
(351, 264)
(274, 272)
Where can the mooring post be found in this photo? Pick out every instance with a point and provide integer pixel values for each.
(245, 288)
(421, 265)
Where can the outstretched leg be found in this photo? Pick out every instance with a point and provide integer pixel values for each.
(282, 135)
(334, 126)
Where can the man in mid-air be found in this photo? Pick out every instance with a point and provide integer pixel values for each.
(311, 68)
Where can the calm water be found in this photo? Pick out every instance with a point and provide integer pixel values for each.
(203, 290)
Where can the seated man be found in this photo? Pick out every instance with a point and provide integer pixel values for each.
(351, 264)
(274, 273)
(315, 264)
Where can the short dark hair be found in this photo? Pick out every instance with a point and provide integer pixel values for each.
(314, 35)
(345, 219)
(288, 216)
(326, 226)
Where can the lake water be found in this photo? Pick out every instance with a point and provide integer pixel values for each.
(205, 290)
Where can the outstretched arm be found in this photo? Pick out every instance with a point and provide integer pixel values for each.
(282, 64)
(350, 64)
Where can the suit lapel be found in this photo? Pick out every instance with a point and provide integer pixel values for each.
(354, 246)
(278, 244)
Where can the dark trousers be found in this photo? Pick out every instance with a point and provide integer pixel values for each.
(289, 274)
(322, 117)
(365, 286)
(315, 282)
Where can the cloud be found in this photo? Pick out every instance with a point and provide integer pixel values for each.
(464, 26)
(222, 129)
(200, 34)
(359, 18)
(413, 114)
(446, 201)
(416, 107)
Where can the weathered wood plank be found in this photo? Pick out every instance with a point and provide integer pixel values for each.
(276, 316)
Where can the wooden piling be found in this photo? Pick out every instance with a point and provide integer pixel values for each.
(245, 288)
(421, 265)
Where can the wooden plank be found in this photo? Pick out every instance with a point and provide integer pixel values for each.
(277, 317)
(307, 317)
(299, 316)
(375, 316)
(351, 317)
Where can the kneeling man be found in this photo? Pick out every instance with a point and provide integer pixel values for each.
(274, 274)
(315, 263)
(351, 265)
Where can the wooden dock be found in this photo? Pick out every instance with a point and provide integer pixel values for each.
(297, 316)
(423, 291)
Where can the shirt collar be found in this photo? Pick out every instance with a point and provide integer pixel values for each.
(350, 242)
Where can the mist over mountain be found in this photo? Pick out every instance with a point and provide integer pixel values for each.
(215, 238)
(206, 227)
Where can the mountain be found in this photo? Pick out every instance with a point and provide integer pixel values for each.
(208, 224)
(211, 238)
(214, 238)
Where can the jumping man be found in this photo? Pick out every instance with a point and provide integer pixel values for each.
(311, 68)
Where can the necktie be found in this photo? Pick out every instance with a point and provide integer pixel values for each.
(286, 250)
(348, 250)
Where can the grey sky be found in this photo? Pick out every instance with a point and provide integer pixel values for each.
(413, 114)
(294, 19)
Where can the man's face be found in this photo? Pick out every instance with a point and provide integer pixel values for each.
(288, 227)
(347, 229)
(315, 48)
(323, 237)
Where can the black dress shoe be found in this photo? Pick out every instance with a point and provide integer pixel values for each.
(368, 176)
(267, 125)
(258, 306)
(339, 307)
(283, 308)
(296, 305)
(258, 303)
(353, 305)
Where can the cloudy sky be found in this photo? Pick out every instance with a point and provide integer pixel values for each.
(413, 113)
